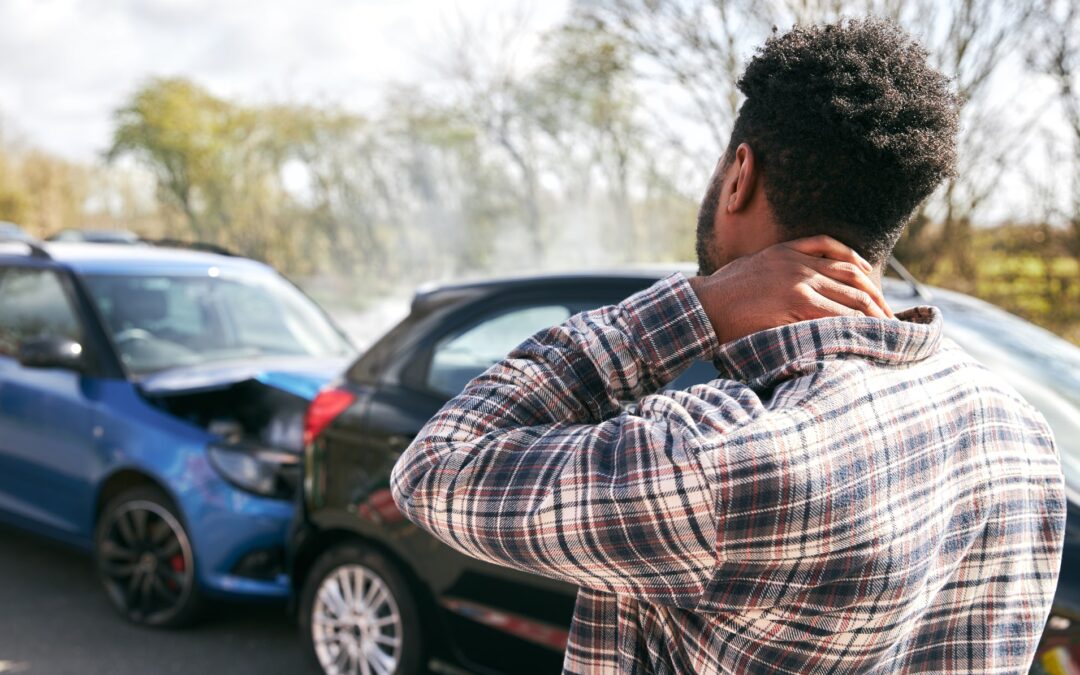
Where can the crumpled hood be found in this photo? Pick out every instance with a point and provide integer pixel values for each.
(300, 376)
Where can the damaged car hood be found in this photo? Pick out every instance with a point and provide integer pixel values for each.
(301, 377)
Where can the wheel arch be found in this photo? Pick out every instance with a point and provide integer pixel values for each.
(124, 479)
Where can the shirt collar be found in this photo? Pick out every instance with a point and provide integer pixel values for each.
(762, 358)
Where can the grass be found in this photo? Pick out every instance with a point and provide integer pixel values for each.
(1043, 290)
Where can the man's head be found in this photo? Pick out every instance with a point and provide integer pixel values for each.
(845, 130)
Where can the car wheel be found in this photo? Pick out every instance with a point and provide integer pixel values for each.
(358, 615)
(144, 559)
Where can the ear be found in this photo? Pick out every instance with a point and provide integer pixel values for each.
(745, 179)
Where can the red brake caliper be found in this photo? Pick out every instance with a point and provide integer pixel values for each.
(177, 563)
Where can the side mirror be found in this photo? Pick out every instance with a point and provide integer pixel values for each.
(51, 352)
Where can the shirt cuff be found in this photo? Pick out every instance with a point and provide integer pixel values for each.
(670, 326)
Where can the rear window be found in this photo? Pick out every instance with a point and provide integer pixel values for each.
(461, 356)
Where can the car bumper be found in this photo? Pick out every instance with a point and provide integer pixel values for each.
(239, 541)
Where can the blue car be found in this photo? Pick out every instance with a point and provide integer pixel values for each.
(152, 405)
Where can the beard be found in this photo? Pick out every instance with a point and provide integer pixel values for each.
(705, 240)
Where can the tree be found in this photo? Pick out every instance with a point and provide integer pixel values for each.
(688, 55)
(13, 201)
(1059, 57)
(488, 91)
(187, 138)
(55, 192)
(220, 164)
(40, 192)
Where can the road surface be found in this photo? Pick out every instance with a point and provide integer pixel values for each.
(55, 620)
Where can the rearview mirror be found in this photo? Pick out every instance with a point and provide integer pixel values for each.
(51, 352)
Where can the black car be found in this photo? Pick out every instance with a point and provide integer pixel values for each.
(378, 594)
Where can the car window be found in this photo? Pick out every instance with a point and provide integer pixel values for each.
(257, 319)
(162, 321)
(461, 356)
(33, 304)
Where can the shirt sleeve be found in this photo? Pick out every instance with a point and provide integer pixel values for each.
(534, 466)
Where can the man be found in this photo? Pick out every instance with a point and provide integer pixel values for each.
(854, 493)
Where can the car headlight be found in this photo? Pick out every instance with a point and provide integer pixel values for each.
(270, 473)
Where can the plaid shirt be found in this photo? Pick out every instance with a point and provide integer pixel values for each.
(852, 494)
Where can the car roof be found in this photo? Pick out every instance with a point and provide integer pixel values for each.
(98, 258)
(432, 295)
(435, 295)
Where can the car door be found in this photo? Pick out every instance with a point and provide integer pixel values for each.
(476, 597)
(480, 600)
(46, 414)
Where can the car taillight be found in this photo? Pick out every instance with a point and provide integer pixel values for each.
(324, 409)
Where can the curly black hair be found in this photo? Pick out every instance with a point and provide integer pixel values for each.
(851, 128)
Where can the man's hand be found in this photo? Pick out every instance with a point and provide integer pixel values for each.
(811, 278)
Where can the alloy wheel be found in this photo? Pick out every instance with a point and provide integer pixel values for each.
(145, 561)
(356, 625)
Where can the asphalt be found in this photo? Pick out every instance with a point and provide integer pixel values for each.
(55, 620)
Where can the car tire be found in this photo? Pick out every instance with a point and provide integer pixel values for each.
(144, 559)
(383, 617)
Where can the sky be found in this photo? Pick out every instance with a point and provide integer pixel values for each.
(66, 65)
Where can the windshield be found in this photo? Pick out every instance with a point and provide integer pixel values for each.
(159, 322)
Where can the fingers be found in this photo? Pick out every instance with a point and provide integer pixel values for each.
(850, 275)
(850, 298)
(824, 308)
(824, 246)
